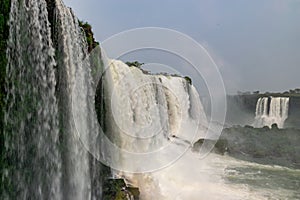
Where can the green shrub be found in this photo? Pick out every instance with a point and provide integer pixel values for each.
(135, 64)
(188, 79)
(89, 35)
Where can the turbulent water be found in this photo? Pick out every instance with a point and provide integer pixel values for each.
(271, 110)
(51, 128)
(219, 177)
(151, 111)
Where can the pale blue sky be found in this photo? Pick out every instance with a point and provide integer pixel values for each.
(256, 43)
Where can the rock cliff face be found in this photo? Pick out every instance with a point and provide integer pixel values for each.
(241, 109)
(293, 119)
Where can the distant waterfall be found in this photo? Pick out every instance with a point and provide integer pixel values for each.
(271, 110)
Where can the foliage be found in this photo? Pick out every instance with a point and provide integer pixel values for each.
(188, 79)
(264, 145)
(290, 93)
(295, 91)
(135, 64)
(116, 189)
(89, 35)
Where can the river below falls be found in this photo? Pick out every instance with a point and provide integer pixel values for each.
(218, 177)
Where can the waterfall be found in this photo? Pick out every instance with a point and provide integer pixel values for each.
(51, 83)
(31, 119)
(76, 179)
(271, 110)
(52, 138)
(46, 160)
(147, 113)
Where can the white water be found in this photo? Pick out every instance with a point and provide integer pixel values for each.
(268, 113)
(150, 113)
(70, 46)
(147, 114)
(216, 177)
(48, 160)
(31, 133)
(147, 111)
(213, 178)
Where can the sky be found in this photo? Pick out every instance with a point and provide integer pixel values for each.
(255, 43)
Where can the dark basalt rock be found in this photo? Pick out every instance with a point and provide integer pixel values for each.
(220, 146)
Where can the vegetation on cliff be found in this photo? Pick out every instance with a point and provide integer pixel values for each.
(290, 93)
(89, 35)
(264, 145)
(139, 65)
(116, 189)
(135, 64)
(272, 146)
(188, 79)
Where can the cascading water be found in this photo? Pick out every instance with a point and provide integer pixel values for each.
(146, 112)
(45, 158)
(51, 83)
(271, 110)
(76, 179)
(31, 119)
